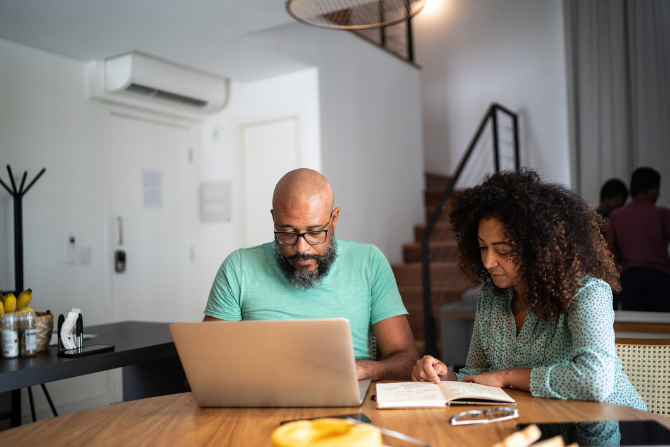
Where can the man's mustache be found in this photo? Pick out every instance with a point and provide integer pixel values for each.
(302, 257)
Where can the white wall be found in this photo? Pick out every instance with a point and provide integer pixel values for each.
(360, 124)
(46, 120)
(371, 135)
(475, 52)
(291, 95)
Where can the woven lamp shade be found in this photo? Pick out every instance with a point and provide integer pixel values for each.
(353, 14)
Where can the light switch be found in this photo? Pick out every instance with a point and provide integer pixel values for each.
(216, 201)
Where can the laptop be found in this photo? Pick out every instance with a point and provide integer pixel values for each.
(287, 363)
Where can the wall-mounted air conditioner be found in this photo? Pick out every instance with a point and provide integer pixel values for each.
(140, 80)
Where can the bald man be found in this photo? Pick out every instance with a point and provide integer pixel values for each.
(308, 273)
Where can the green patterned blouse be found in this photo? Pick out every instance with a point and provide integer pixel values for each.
(571, 356)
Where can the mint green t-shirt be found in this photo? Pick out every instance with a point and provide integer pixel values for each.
(359, 286)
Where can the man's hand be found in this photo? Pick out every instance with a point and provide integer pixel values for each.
(430, 369)
(396, 344)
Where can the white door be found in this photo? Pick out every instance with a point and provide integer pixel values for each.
(150, 217)
(269, 150)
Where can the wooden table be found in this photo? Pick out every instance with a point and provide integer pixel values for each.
(177, 420)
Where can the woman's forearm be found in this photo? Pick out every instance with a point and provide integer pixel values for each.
(518, 378)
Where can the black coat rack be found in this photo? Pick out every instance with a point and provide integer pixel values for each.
(17, 195)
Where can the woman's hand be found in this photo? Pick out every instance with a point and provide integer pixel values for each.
(518, 378)
(430, 369)
(490, 378)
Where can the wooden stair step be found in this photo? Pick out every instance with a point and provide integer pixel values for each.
(441, 232)
(443, 274)
(412, 298)
(434, 180)
(439, 251)
(444, 217)
(431, 197)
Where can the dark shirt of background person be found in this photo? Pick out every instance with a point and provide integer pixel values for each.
(638, 234)
(613, 195)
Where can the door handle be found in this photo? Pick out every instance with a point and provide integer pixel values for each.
(120, 221)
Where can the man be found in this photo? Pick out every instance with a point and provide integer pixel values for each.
(613, 195)
(639, 234)
(307, 273)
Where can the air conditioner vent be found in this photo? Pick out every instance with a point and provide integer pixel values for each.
(162, 94)
(144, 81)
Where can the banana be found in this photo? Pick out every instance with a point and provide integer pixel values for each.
(25, 309)
(4, 297)
(2, 310)
(24, 299)
(10, 303)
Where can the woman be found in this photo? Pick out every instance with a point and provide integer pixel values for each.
(544, 321)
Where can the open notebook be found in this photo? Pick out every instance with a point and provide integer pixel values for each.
(427, 395)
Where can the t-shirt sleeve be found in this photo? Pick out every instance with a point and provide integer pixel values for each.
(589, 373)
(224, 300)
(385, 297)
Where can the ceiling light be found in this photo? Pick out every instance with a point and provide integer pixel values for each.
(353, 14)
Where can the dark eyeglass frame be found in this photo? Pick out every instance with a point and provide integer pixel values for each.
(299, 235)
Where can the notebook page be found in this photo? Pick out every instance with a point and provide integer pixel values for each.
(463, 390)
(409, 394)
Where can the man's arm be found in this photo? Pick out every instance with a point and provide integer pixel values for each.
(208, 318)
(395, 340)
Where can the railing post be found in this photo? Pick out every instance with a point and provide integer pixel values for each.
(496, 142)
(517, 157)
(410, 41)
(382, 30)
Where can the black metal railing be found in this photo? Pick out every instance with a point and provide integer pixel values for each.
(498, 161)
(395, 38)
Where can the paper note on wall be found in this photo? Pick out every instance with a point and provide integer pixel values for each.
(152, 188)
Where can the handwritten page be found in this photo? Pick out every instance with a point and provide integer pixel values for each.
(409, 394)
(467, 390)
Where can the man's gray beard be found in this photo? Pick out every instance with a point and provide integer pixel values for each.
(305, 279)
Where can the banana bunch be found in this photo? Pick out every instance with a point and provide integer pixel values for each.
(11, 304)
(326, 433)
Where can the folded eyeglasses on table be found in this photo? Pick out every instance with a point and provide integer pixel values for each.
(475, 417)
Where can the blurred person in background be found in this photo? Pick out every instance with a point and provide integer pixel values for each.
(613, 195)
(638, 234)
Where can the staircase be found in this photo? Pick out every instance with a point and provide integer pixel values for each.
(447, 284)
(429, 273)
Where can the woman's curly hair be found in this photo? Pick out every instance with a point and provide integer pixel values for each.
(554, 235)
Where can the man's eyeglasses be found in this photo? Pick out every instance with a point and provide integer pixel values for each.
(311, 237)
(474, 417)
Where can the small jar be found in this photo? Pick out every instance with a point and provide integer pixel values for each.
(28, 328)
(10, 335)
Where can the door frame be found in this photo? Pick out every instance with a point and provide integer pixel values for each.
(240, 126)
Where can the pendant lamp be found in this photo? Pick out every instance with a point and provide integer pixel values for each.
(353, 14)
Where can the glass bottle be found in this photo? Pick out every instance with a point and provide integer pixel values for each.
(10, 335)
(28, 328)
